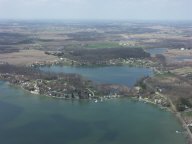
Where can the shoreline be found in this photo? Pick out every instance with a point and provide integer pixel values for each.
(177, 115)
(145, 100)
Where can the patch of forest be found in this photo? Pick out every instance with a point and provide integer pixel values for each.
(103, 55)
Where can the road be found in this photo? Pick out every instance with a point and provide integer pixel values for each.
(174, 110)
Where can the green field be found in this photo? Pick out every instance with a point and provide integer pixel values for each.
(103, 45)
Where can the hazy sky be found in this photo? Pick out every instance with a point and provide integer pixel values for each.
(97, 9)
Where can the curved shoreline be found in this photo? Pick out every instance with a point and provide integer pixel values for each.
(148, 101)
(177, 114)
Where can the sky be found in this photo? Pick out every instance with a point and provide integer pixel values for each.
(97, 9)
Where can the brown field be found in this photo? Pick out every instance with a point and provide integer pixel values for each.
(26, 57)
(179, 57)
(182, 71)
(178, 52)
(174, 87)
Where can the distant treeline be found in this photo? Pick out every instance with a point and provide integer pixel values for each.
(14, 38)
(19, 70)
(8, 49)
(100, 55)
(12, 69)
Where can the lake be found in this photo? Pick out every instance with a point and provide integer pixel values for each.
(34, 119)
(27, 118)
(155, 51)
(124, 75)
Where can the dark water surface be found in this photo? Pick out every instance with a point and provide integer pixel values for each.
(33, 119)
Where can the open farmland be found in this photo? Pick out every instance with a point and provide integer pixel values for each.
(26, 57)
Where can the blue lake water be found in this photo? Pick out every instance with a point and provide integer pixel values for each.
(110, 74)
(35, 119)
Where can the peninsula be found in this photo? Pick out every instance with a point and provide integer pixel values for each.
(25, 47)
